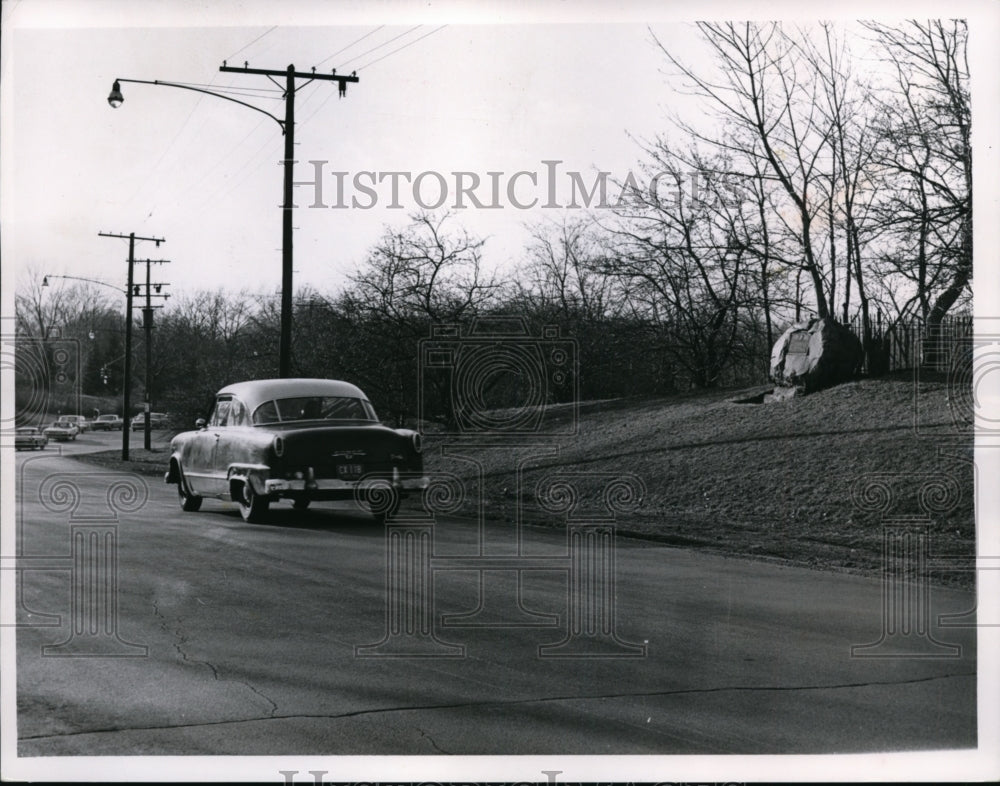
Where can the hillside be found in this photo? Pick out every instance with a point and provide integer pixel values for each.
(760, 480)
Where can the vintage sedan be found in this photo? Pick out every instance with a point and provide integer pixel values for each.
(82, 424)
(156, 420)
(62, 430)
(303, 440)
(107, 423)
(30, 438)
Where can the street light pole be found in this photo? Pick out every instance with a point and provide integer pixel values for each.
(127, 392)
(285, 338)
(116, 99)
(147, 324)
(127, 382)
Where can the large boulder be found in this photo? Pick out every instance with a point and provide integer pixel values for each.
(815, 354)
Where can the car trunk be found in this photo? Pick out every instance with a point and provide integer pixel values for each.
(345, 452)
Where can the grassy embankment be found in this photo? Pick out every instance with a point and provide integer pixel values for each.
(767, 481)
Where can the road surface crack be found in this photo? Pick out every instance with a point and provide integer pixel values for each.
(434, 745)
(180, 639)
(508, 703)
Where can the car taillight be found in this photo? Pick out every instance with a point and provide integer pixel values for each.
(279, 447)
(417, 444)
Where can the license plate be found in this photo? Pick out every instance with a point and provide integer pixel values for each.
(349, 470)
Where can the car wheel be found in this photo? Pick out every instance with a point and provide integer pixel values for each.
(189, 502)
(253, 507)
(301, 504)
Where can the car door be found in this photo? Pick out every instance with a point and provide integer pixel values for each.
(218, 428)
(232, 445)
(198, 460)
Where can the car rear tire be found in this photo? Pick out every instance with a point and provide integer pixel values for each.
(190, 503)
(253, 507)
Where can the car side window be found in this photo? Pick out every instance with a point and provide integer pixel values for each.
(220, 415)
(266, 413)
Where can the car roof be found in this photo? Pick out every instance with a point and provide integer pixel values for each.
(255, 392)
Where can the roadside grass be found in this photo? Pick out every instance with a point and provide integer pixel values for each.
(772, 481)
(766, 481)
(141, 461)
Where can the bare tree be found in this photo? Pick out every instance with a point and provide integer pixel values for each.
(851, 184)
(764, 94)
(561, 272)
(928, 156)
(682, 262)
(425, 273)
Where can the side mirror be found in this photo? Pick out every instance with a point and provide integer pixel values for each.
(200, 423)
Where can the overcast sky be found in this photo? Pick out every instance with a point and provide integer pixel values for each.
(500, 90)
(205, 173)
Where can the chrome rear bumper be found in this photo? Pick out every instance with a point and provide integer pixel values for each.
(278, 485)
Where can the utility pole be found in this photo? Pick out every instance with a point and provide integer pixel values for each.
(127, 391)
(288, 128)
(147, 324)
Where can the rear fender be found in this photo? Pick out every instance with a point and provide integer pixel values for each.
(254, 474)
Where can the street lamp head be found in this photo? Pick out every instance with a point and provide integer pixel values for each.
(115, 97)
(45, 281)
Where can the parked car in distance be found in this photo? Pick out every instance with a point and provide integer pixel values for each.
(30, 438)
(298, 439)
(62, 430)
(78, 420)
(107, 423)
(156, 420)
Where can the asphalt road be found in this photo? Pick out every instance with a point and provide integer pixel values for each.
(229, 638)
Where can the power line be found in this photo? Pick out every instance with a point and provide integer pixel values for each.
(384, 43)
(169, 147)
(400, 49)
(236, 91)
(232, 151)
(383, 57)
(212, 84)
(316, 110)
(321, 62)
(245, 171)
(356, 41)
(251, 43)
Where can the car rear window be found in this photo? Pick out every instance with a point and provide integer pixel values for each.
(313, 408)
